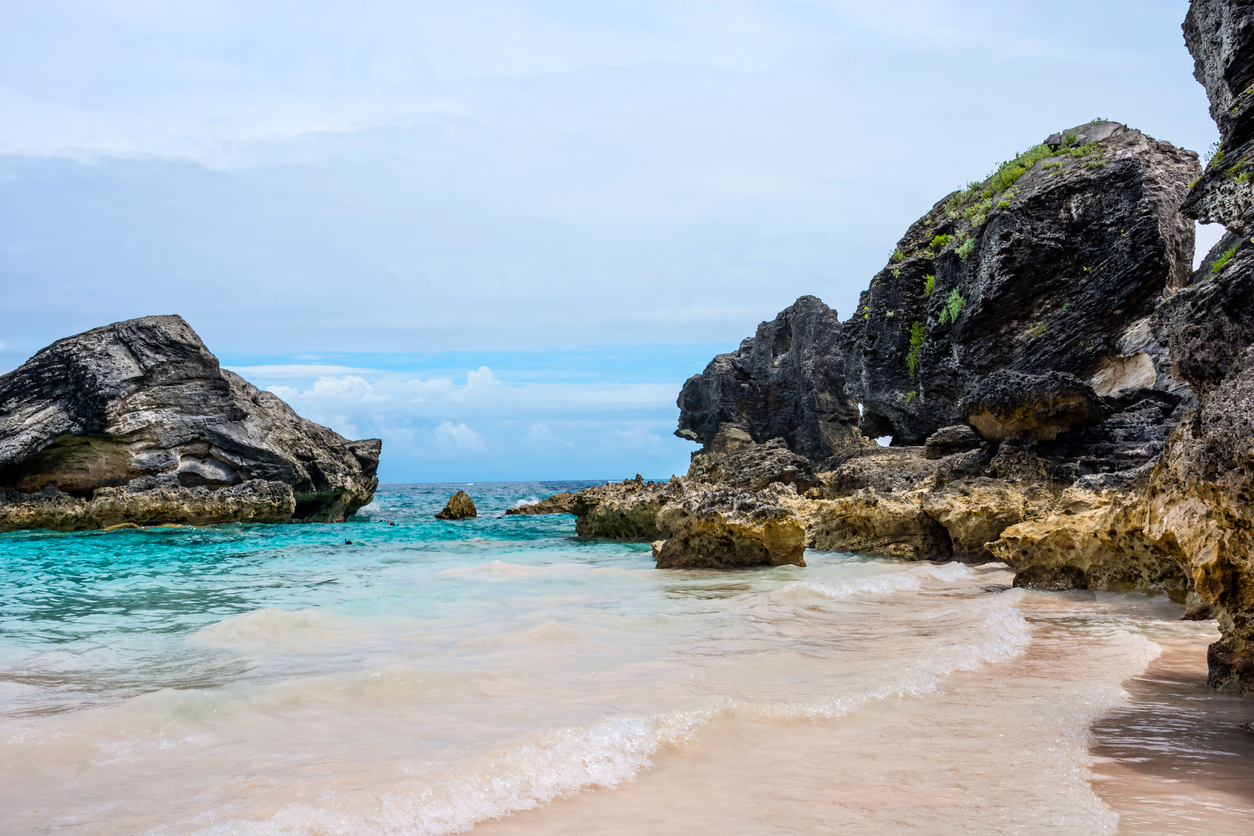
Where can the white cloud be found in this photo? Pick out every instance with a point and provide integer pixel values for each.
(452, 436)
(636, 437)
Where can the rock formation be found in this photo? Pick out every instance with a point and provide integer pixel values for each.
(558, 503)
(137, 422)
(787, 382)
(1050, 265)
(459, 507)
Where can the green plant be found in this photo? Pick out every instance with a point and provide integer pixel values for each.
(953, 306)
(866, 311)
(1087, 269)
(1233, 170)
(890, 314)
(1037, 329)
(1005, 204)
(941, 241)
(1095, 121)
(929, 284)
(1214, 155)
(916, 343)
(1194, 182)
(897, 255)
(895, 270)
(911, 395)
(964, 249)
(1224, 259)
(1241, 178)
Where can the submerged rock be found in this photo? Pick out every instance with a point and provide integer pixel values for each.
(459, 507)
(787, 381)
(1051, 265)
(143, 405)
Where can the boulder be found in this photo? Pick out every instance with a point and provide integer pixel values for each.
(459, 507)
(787, 381)
(558, 503)
(1050, 265)
(727, 528)
(875, 524)
(1009, 404)
(623, 510)
(974, 512)
(144, 402)
(947, 441)
(752, 466)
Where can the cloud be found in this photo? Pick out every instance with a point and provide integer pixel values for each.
(450, 436)
(636, 437)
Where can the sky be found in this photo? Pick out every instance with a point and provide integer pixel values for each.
(500, 235)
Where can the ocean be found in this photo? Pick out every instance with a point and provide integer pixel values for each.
(503, 675)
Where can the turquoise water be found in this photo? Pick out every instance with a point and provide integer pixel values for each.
(503, 675)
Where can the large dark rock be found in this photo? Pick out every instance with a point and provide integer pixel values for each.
(1052, 264)
(459, 507)
(144, 404)
(787, 381)
(1220, 35)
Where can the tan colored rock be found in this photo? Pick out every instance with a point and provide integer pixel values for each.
(460, 507)
(623, 510)
(882, 525)
(725, 528)
(974, 512)
(254, 502)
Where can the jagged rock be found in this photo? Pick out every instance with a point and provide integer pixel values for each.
(975, 512)
(255, 501)
(1009, 404)
(1220, 35)
(558, 503)
(947, 441)
(727, 528)
(881, 525)
(623, 510)
(787, 381)
(880, 469)
(1051, 274)
(1104, 548)
(459, 507)
(145, 402)
(752, 466)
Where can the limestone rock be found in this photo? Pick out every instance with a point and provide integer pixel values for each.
(1220, 36)
(974, 512)
(752, 466)
(947, 441)
(459, 507)
(880, 525)
(787, 381)
(623, 510)
(880, 469)
(1049, 272)
(727, 528)
(1009, 404)
(144, 400)
(558, 503)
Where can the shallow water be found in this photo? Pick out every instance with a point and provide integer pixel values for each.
(503, 675)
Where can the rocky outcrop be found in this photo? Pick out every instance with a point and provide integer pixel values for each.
(1220, 36)
(1050, 265)
(753, 466)
(459, 507)
(727, 528)
(143, 405)
(623, 510)
(558, 503)
(787, 381)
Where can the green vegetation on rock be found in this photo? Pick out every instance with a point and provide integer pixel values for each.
(1224, 259)
(929, 284)
(953, 306)
(916, 343)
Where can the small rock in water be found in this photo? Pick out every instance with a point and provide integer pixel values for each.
(459, 507)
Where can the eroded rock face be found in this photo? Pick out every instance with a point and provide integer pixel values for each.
(753, 466)
(728, 528)
(623, 510)
(1052, 272)
(1220, 36)
(144, 402)
(787, 381)
(459, 507)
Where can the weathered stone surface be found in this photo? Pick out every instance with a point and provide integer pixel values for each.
(974, 512)
(1220, 36)
(1104, 548)
(459, 507)
(753, 466)
(1009, 404)
(787, 381)
(623, 510)
(880, 469)
(881, 525)
(960, 438)
(727, 528)
(558, 503)
(255, 501)
(1048, 275)
(146, 400)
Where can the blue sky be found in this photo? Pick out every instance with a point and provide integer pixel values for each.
(499, 235)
